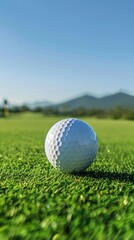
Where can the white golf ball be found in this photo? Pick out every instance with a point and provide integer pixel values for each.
(71, 145)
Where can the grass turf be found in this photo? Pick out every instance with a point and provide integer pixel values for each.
(38, 202)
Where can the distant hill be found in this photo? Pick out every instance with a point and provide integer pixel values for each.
(90, 102)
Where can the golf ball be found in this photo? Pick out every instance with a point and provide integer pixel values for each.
(71, 145)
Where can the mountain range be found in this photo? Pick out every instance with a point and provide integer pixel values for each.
(119, 99)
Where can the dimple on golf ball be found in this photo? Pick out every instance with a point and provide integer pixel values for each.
(71, 145)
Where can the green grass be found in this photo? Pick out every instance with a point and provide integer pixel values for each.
(37, 202)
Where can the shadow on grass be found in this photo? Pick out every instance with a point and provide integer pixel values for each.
(107, 175)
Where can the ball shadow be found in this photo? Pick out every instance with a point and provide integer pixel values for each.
(123, 177)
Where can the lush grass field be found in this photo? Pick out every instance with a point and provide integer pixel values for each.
(37, 202)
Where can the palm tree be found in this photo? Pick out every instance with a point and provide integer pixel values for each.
(5, 109)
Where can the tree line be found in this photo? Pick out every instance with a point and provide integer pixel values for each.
(115, 113)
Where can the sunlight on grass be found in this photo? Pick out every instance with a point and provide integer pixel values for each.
(38, 202)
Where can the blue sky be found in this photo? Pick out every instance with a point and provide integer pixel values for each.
(58, 49)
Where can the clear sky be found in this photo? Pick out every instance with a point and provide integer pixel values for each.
(59, 49)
